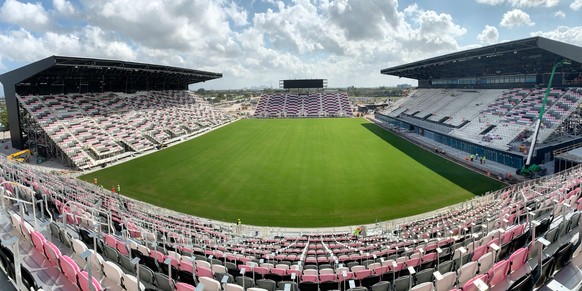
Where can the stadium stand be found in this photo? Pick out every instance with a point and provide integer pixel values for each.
(61, 231)
(469, 114)
(291, 105)
(92, 129)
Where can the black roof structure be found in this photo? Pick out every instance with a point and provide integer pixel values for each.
(66, 75)
(530, 56)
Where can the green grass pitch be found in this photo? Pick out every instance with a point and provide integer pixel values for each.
(296, 173)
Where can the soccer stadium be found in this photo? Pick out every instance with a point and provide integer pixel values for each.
(469, 182)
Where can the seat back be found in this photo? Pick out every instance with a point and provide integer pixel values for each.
(517, 259)
(204, 272)
(486, 262)
(424, 275)
(52, 253)
(362, 274)
(426, 286)
(446, 282)
(163, 282)
(83, 278)
(69, 268)
(471, 286)
(499, 272)
(267, 284)
(467, 271)
(309, 278)
(327, 277)
(113, 272)
(381, 286)
(180, 286)
(38, 240)
(130, 282)
(233, 287)
(210, 284)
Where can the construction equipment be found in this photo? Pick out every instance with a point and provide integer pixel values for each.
(533, 170)
(21, 156)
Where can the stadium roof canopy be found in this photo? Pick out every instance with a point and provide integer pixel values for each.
(69, 75)
(59, 74)
(536, 55)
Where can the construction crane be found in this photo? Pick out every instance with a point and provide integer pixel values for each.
(21, 156)
(533, 170)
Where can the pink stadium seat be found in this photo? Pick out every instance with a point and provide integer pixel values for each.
(122, 248)
(380, 270)
(479, 251)
(506, 237)
(205, 272)
(52, 253)
(111, 241)
(180, 286)
(38, 240)
(327, 277)
(430, 257)
(413, 262)
(185, 266)
(470, 285)
(83, 278)
(349, 275)
(278, 271)
(518, 259)
(309, 278)
(159, 256)
(297, 273)
(69, 268)
(261, 270)
(499, 272)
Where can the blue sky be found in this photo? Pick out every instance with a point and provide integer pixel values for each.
(257, 43)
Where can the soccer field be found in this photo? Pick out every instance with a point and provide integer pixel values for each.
(296, 173)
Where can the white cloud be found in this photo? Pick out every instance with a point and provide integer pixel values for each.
(239, 16)
(64, 7)
(571, 35)
(27, 15)
(560, 14)
(533, 3)
(489, 35)
(515, 18)
(491, 2)
(576, 5)
(180, 25)
(381, 17)
(345, 41)
(21, 45)
(306, 34)
(522, 3)
(436, 33)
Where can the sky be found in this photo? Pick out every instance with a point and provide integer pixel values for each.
(256, 43)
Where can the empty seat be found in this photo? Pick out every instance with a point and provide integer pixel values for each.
(498, 273)
(180, 286)
(380, 286)
(130, 283)
(486, 262)
(467, 271)
(210, 284)
(471, 285)
(232, 287)
(83, 278)
(427, 286)
(446, 282)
